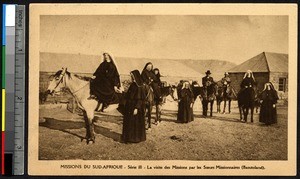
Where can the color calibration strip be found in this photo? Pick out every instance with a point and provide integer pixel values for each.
(3, 90)
(13, 90)
(8, 84)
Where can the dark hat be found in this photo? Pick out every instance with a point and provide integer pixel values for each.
(137, 77)
(208, 72)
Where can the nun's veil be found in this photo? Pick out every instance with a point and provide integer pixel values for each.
(147, 65)
(251, 73)
(137, 77)
(270, 84)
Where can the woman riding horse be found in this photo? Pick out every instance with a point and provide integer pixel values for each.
(105, 82)
(150, 78)
(246, 96)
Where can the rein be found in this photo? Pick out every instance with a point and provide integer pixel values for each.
(80, 88)
(61, 81)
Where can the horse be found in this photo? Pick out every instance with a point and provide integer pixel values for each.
(207, 95)
(224, 93)
(165, 91)
(80, 90)
(246, 100)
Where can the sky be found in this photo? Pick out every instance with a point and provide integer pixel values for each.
(230, 38)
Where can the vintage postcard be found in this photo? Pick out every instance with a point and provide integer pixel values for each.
(162, 89)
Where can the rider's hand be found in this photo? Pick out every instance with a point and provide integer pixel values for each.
(274, 105)
(116, 89)
(135, 112)
(191, 106)
(93, 77)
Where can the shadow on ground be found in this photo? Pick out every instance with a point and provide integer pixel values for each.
(64, 126)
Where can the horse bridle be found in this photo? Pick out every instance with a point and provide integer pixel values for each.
(61, 79)
(62, 75)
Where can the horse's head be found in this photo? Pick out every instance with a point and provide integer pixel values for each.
(57, 81)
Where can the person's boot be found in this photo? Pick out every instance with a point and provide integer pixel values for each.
(104, 106)
(92, 97)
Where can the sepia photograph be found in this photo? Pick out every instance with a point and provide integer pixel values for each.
(161, 91)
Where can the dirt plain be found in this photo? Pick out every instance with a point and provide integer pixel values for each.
(221, 137)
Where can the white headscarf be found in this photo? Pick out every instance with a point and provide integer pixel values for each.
(251, 74)
(184, 84)
(115, 63)
(268, 84)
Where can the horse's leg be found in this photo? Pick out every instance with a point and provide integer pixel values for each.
(241, 112)
(149, 115)
(211, 107)
(90, 126)
(146, 117)
(205, 106)
(157, 113)
(252, 109)
(224, 106)
(246, 113)
(229, 106)
(87, 127)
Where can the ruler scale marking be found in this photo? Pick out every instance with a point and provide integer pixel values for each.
(19, 98)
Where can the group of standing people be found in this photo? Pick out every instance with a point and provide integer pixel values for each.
(106, 87)
(267, 98)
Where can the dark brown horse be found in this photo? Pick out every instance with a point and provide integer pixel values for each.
(207, 95)
(246, 101)
(151, 101)
(224, 93)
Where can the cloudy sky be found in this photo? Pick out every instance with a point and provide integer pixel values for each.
(231, 38)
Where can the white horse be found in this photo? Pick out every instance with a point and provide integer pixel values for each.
(80, 89)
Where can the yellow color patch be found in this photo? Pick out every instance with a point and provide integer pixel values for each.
(3, 109)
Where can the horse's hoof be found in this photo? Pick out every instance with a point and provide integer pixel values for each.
(223, 112)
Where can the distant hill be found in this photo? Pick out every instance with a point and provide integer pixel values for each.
(217, 67)
(81, 63)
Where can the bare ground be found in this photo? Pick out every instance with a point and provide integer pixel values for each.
(221, 137)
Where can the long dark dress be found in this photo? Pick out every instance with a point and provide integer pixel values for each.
(268, 113)
(102, 86)
(185, 112)
(134, 125)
